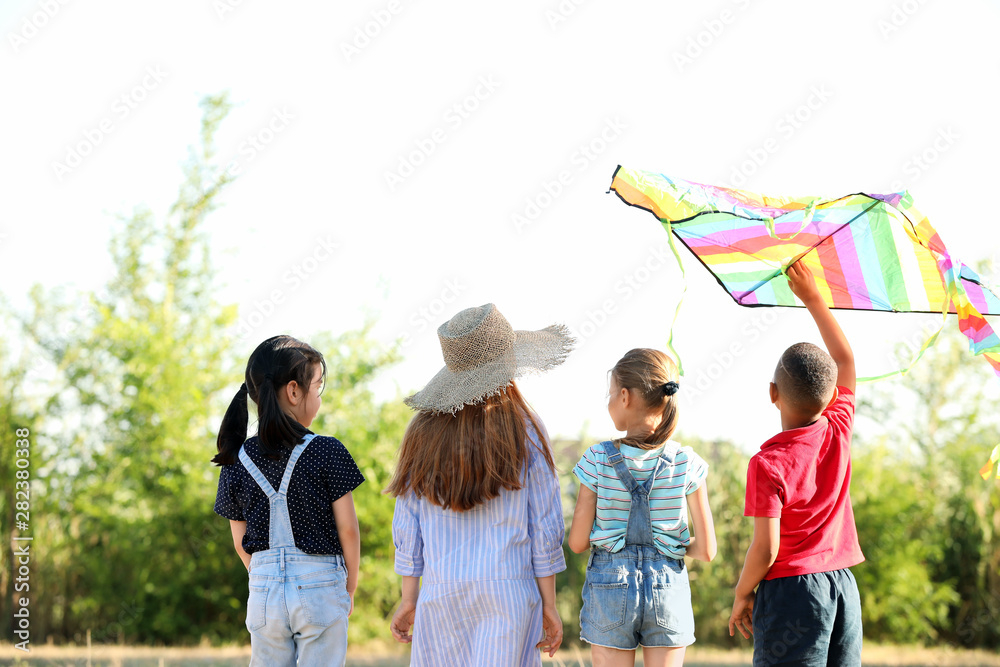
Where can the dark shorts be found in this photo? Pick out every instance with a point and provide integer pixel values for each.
(810, 620)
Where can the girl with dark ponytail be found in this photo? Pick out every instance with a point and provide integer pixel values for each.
(632, 511)
(287, 495)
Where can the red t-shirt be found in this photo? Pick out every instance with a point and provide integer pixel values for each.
(803, 476)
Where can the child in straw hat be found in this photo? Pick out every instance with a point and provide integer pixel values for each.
(478, 512)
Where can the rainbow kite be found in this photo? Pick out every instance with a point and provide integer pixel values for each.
(867, 251)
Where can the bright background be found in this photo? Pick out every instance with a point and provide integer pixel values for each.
(902, 94)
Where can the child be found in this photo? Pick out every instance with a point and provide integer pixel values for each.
(301, 542)
(807, 610)
(478, 511)
(632, 512)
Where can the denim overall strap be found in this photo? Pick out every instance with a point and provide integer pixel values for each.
(280, 531)
(640, 527)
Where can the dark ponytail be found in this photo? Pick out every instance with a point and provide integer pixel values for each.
(276, 362)
(233, 430)
(653, 375)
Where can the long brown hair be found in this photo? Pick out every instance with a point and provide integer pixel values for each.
(647, 372)
(459, 461)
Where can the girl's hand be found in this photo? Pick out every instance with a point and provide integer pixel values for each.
(402, 622)
(351, 610)
(553, 627)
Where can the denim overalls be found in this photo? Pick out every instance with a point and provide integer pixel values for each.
(298, 604)
(638, 595)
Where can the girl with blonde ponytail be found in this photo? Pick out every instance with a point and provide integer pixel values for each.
(636, 493)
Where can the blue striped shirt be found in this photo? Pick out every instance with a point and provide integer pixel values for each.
(667, 497)
(479, 603)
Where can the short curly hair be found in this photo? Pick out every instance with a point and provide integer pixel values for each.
(806, 377)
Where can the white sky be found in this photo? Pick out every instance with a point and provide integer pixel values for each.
(331, 124)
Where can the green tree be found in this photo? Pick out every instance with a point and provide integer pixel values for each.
(712, 584)
(928, 522)
(128, 504)
(133, 549)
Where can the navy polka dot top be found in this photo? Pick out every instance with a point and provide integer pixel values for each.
(323, 473)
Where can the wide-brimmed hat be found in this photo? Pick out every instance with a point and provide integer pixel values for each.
(483, 354)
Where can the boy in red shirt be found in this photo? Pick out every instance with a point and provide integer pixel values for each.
(807, 610)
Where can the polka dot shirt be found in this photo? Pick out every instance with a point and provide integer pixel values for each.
(324, 472)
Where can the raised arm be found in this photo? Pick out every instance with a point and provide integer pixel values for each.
(803, 285)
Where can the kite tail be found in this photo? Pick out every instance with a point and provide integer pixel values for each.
(916, 357)
(988, 468)
(982, 339)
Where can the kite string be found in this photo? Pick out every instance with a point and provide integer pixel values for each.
(677, 310)
(927, 343)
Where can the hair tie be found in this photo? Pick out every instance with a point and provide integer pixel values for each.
(670, 388)
(243, 388)
(268, 376)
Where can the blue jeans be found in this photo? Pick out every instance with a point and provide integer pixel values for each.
(810, 620)
(297, 609)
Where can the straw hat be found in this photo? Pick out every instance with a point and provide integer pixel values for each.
(483, 354)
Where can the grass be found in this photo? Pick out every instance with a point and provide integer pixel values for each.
(141, 656)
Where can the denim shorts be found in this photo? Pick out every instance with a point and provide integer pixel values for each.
(808, 620)
(636, 596)
(297, 606)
